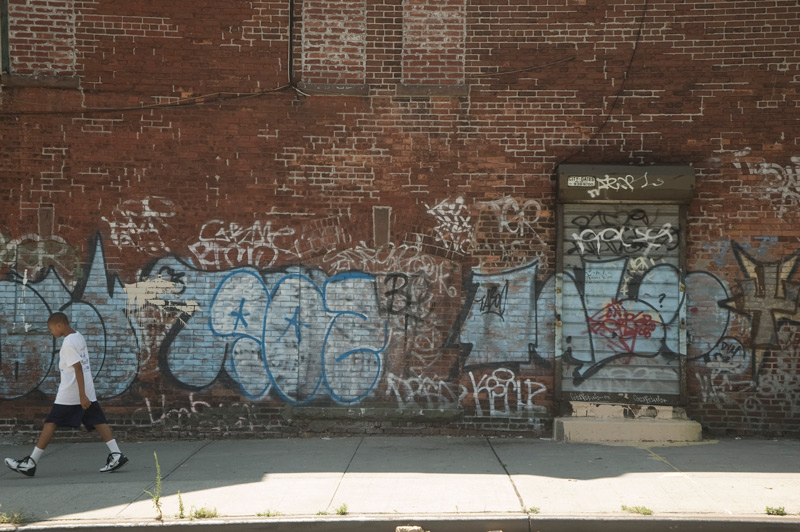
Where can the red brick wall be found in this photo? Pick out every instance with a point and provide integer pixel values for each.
(162, 139)
(434, 42)
(42, 37)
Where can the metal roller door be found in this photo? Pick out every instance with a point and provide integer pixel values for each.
(621, 301)
(620, 325)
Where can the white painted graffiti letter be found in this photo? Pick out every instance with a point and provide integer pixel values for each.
(503, 390)
(138, 224)
(226, 245)
(514, 218)
(627, 182)
(453, 227)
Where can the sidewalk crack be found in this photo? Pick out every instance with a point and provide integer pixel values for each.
(206, 444)
(510, 478)
(346, 469)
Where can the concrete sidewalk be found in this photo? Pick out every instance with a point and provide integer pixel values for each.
(438, 483)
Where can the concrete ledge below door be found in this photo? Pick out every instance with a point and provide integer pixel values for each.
(608, 430)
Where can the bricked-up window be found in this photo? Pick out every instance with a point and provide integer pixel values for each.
(4, 58)
(434, 42)
(334, 42)
(41, 37)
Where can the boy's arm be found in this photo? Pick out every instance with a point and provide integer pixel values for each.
(85, 402)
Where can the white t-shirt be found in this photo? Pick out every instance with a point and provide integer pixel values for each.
(74, 350)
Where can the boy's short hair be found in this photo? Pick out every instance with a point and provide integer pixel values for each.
(58, 317)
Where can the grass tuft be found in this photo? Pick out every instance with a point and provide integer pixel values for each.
(203, 513)
(181, 509)
(155, 495)
(12, 518)
(641, 510)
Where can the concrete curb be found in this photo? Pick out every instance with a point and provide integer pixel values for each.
(466, 523)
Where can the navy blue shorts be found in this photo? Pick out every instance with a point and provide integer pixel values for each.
(73, 415)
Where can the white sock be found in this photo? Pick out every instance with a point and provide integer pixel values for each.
(36, 454)
(113, 447)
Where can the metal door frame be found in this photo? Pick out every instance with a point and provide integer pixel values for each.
(676, 188)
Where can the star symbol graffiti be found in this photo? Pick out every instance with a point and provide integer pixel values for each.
(768, 296)
(240, 315)
(295, 320)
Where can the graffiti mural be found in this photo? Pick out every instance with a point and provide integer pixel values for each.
(97, 306)
(627, 233)
(26, 346)
(505, 318)
(413, 286)
(622, 299)
(727, 382)
(616, 324)
(720, 256)
(769, 295)
(298, 335)
(294, 332)
(707, 323)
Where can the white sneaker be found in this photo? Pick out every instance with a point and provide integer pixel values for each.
(114, 462)
(26, 466)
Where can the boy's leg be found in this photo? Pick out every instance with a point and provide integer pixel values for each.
(44, 440)
(46, 435)
(105, 432)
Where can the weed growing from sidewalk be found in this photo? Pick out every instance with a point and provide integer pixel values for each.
(779, 510)
(322, 512)
(181, 514)
(341, 510)
(268, 513)
(641, 510)
(203, 513)
(156, 493)
(11, 519)
(532, 510)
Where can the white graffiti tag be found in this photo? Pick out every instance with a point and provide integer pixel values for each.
(229, 244)
(642, 241)
(138, 224)
(507, 395)
(514, 218)
(785, 180)
(453, 226)
(423, 391)
(627, 182)
(515, 221)
(34, 254)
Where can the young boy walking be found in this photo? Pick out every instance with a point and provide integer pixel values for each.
(76, 401)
